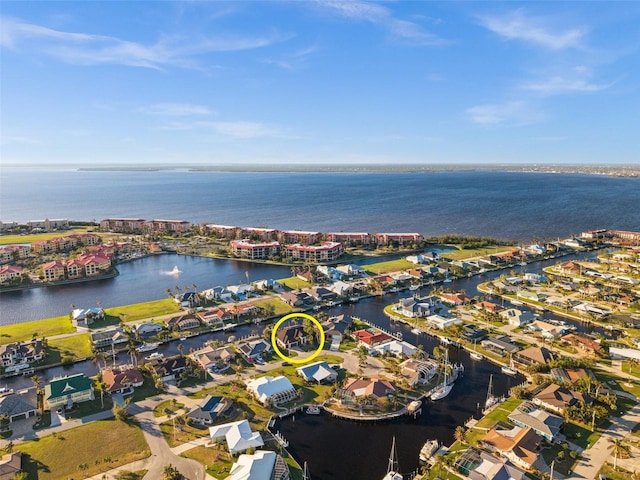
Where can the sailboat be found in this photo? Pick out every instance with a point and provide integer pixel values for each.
(509, 370)
(491, 398)
(305, 472)
(392, 468)
(447, 385)
(475, 355)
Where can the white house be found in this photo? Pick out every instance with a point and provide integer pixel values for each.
(517, 317)
(238, 436)
(262, 465)
(272, 390)
(351, 270)
(436, 321)
(318, 372)
(394, 347)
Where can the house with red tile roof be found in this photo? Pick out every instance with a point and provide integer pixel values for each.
(122, 379)
(520, 445)
(9, 272)
(325, 252)
(371, 337)
(53, 271)
(252, 250)
(94, 264)
(400, 238)
(351, 238)
(75, 269)
(299, 236)
(455, 298)
(374, 387)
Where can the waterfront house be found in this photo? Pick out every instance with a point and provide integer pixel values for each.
(418, 259)
(18, 355)
(183, 322)
(108, 337)
(272, 390)
(413, 307)
(417, 371)
(501, 345)
(530, 295)
(455, 298)
(187, 299)
(211, 359)
(534, 278)
(533, 355)
(215, 317)
(213, 293)
(318, 372)
(291, 336)
(148, 329)
(269, 285)
(557, 398)
(83, 317)
(209, 409)
(393, 347)
(341, 288)
(441, 323)
(262, 465)
(489, 306)
(545, 424)
(321, 294)
(238, 436)
(10, 272)
(374, 387)
(479, 465)
(18, 406)
(122, 379)
(370, 337)
(517, 444)
(585, 342)
(65, 391)
(254, 349)
(167, 369)
(351, 270)
(546, 330)
(517, 317)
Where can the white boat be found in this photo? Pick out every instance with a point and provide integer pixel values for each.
(154, 356)
(228, 326)
(182, 339)
(447, 384)
(516, 302)
(491, 398)
(413, 288)
(313, 410)
(392, 468)
(475, 355)
(416, 331)
(509, 370)
(447, 280)
(428, 449)
(147, 347)
(231, 339)
(441, 392)
(354, 299)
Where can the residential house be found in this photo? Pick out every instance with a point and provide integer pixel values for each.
(291, 336)
(533, 355)
(83, 317)
(65, 391)
(546, 330)
(17, 355)
(370, 337)
(534, 278)
(238, 436)
(122, 379)
(374, 387)
(583, 341)
(269, 285)
(213, 359)
(455, 298)
(187, 299)
(254, 349)
(262, 465)
(318, 372)
(545, 424)
(168, 368)
(209, 409)
(10, 465)
(519, 445)
(418, 259)
(215, 317)
(441, 323)
(517, 317)
(18, 406)
(321, 294)
(272, 390)
(485, 466)
(108, 337)
(530, 295)
(418, 371)
(413, 307)
(557, 398)
(340, 288)
(214, 293)
(148, 329)
(501, 345)
(351, 270)
(183, 322)
(394, 347)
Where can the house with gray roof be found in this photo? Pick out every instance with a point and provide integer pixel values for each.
(209, 409)
(318, 372)
(16, 407)
(106, 338)
(254, 349)
(545, 424)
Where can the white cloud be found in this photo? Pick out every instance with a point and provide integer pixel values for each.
(404, 30)
(88, 49)
(517, 26)
(562, 85)
(176, 109)
(512, 113)
(242, 129)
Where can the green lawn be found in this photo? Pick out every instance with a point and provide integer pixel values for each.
(75, 347)
(217, 461)
(182, 433)
(89, 408)
(563, 461)
(279, 307)
(42, 328)
(35, 237)
(294, 283)
(100, 446)
(611, 474)
(144, 310)
(167, 407)
(390, 266)
(498, 414)
(475, 252)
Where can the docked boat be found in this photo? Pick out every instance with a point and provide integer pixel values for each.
(416, 331)
(414, 406)
(448, 382)
(476, 356)
(228, 327)
(413, 288)
(509, 369)
(392, 468)
(182, 339)
(428, 450)
(441, 392)
(491, 398)
(231, 339)
(313, 410)
(147, 347)
(154, 356)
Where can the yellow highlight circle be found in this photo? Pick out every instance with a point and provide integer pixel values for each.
(274, 344)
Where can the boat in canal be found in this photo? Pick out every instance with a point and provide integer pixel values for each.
(428, 450)
(313, 410)
(147, 347)
(154, 356)
(491, 398)
(475, 355)
(392, 469)
(509, 369)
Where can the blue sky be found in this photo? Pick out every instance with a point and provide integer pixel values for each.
(320, 82)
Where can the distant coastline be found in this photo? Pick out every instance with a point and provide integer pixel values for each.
(618, 170)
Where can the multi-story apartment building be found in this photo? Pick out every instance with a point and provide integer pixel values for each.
(247, 249)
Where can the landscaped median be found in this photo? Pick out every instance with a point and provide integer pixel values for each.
(83, 451)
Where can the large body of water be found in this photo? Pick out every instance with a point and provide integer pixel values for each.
(511, 205)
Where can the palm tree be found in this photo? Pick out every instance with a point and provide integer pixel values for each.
(619, 449)
(460, 434)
